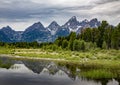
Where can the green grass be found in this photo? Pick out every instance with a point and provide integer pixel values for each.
(97, 56)
(5, 65)
(101, 64)
(98, 74)
(4, 50)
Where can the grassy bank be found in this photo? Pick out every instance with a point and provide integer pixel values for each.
(65, 55)
(94, 58)
(70, 55)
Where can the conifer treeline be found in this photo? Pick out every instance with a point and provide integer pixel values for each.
(105, 37)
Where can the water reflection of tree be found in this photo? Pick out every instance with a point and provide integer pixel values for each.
(103, 81)
(5, 62)
(69, 69)
(118, 80)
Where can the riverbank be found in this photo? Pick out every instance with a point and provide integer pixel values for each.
(96, 54)
(95, 58)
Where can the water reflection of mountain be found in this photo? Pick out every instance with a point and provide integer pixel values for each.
(37, 66)
(53, 68)
(70, 70)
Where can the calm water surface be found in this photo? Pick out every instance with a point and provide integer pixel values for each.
(39, 72)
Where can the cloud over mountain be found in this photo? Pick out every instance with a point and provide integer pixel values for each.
(18, 12)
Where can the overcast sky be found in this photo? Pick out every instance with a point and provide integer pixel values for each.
(19, 14)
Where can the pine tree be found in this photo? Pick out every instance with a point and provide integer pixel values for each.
(101, 33)
(107, 36)
(115, 39)
(104, 45)
(64, 44)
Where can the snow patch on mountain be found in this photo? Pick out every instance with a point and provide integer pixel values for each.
(41, 34)
(75, 30)
(53, 32)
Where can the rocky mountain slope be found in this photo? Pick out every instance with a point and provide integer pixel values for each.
(37, 32)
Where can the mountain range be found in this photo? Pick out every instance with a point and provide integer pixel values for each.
(37, 32)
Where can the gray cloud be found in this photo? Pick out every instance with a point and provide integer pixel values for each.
(30, 11)
(105, 1)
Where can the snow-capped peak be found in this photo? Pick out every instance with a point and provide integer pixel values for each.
(71, 22)
(53, 24)
(53, 27)
(74, 17)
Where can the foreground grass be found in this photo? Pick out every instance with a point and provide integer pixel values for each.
(95, 58)
(70, 55)
(74, 56)
(6, 50)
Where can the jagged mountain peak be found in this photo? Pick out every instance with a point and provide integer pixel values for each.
(36, 26)
(72, 22)
(53, 27)
(10, 33)
(73, 18)
(94, 20)
(7, 28)
(37, 23)
(53, 24)
(85, 20)
(84, 23)
(37, 32)
(94, 23)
